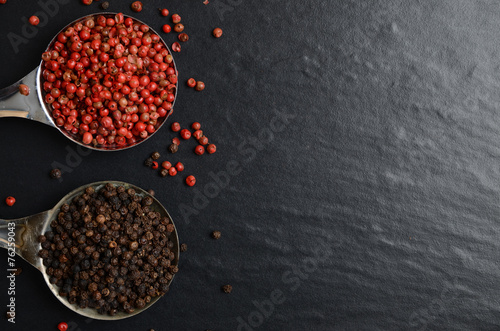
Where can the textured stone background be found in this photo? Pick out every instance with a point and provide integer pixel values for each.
(366, 138)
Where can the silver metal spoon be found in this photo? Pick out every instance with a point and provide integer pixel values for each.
(28, 229)
(34, 107)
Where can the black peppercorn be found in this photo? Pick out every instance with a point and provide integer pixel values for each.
(173, 148)
(108, 243)
(155, 155)
(105, 5)
(216, 234)
(55, 173)
(227, 288)
(184, 247)
(148, 162)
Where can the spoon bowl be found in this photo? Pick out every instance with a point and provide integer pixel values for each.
(28, 229)
(33, 106)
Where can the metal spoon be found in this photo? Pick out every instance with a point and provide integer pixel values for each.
(27, 230)
(34, 107)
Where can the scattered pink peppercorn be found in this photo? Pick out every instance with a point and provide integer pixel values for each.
(24, 89)
(179, 166)
(198, 134)
(176, 141)
(172, 171)
(196, 126)
(176, 18)
(200, 86)
(164, 11)
(63, 326)
(10, 201)
(185, 134)
(211, 149)
(155, 165)
(203, 140)
(34, 20)
(191, 82)
(190, 180)
(166, 28)
(176, 127)
(166, 165)
(217, 32)
(136, 6)
(199, 150)
(183, 37)
(176, 47)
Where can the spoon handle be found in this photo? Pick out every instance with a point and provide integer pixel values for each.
(21, 236)
(14, 104)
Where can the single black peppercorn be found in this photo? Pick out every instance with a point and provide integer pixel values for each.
(227, 288)
(216, 234)
(164, 172)
(155, 155)
(105, 5)
(55, 173)
(184, 247)
(148, 162)
(173, 148)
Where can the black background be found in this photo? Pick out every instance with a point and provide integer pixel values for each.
(373, 205)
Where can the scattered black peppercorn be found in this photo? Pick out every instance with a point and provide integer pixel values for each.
(148, 162)
(55, 173)
(184, 247)
(164, 172)
(105, 5)
(109, 250)
(173, 148)
(155, 156)
(227, 288)
(216, 234)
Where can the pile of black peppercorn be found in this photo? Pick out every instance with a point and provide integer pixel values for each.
(108, 251)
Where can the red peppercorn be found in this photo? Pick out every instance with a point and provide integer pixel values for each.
(172, 171)
(24, 89)
(87, 2)
(155, 165)
(203, 140)
(185, 134)
(199, 150)
(63, 326)
(10, 201)
(136, 6)
(164, 12)
(166, 165)
(179, 27)
(196, 126)
(87, 138)
(183, 37)
(34, 20)
(200, 86)
(217, 32)
(211, 149)
(3, 2)
(176, 47)
(191, 82)
(166, 28)
(190, 180)
(198, 134)
(179, 166)
(176, 141)
(176, 127)
(176, 18)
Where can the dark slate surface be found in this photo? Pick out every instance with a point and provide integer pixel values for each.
(364, 141)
